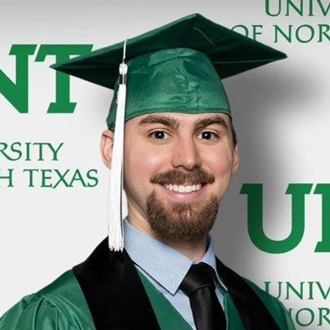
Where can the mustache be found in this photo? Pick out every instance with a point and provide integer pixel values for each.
(179, 177)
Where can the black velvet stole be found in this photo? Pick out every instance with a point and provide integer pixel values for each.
(117, 299)
(253, 312)
(114, 292)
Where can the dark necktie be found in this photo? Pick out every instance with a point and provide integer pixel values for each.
(199, 286)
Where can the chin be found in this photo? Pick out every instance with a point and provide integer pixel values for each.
(181, 221)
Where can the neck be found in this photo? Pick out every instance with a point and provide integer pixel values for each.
(194, 250)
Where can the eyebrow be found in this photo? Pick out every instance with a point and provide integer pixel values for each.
(211, 121)
(166, 121)
(174, 124)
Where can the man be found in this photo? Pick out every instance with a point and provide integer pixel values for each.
(180, 154)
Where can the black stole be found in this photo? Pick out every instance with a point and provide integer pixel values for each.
(118, 301)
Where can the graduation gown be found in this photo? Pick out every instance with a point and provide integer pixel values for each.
(106, 292)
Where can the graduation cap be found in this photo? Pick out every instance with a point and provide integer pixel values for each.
(175, 68)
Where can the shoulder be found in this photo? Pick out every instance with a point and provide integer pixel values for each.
(275, 307)
(59, 306)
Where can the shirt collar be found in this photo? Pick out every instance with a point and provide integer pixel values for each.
(149, 254)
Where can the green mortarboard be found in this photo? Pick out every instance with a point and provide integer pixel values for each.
(175, 68)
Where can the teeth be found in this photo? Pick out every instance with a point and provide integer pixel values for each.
(183, 189)
(189, 189)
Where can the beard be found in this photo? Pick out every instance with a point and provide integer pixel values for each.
(181, 221)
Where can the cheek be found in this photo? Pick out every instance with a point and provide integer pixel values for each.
(141, 163)
(219, 162)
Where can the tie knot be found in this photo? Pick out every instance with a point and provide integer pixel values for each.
(199, 276)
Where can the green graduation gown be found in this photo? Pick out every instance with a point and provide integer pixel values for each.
(106, 292)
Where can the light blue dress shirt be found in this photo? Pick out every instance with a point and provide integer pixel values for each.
(166, 268)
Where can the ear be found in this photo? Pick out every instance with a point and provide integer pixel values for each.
(106, 147)
(235, 159)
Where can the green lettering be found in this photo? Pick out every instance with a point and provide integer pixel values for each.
(16, 150)
(3, 148)
(17, 93)
(290, 287)
(61, 177)
(243, 27)
(324, 312)
(93, 179)
(324, 190)
(311, 8)
(257, 31)
(62, 54)
(255, 218)
(324, 11)
(324, 294)
(309, 32)
(291, 4)
(267, 8)
(31, 176)
(45, 178)
(279, 285)
(77, 177)
(324, 29)
(279, 31)
(299, 319)
(8, 177)
(55, 150)
(310, 290)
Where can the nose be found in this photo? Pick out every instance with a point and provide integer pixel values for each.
(186, 154)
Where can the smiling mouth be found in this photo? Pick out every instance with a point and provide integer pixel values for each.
(183, 189)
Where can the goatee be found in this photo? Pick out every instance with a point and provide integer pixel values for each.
(181, 221)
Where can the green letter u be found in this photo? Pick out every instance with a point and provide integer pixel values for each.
(255, 217)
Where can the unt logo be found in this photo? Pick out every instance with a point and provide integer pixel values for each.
(17, 92)
(298, 192)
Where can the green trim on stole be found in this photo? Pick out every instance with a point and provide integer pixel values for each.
(232, 316)
(167, 316)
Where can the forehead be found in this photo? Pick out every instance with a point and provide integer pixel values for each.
(178, 119)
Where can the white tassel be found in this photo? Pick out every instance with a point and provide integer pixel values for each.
(115, 224)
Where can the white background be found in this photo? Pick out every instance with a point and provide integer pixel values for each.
(281, 114)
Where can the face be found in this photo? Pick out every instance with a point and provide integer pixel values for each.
(177, 169)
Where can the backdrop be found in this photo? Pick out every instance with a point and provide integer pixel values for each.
(274, 223)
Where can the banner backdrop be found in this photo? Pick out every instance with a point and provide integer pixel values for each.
(274, 223)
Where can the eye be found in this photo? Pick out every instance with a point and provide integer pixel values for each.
(159, 135)
(207, 135)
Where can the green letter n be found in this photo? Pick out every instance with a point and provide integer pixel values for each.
(255, 217)
(18, 93)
